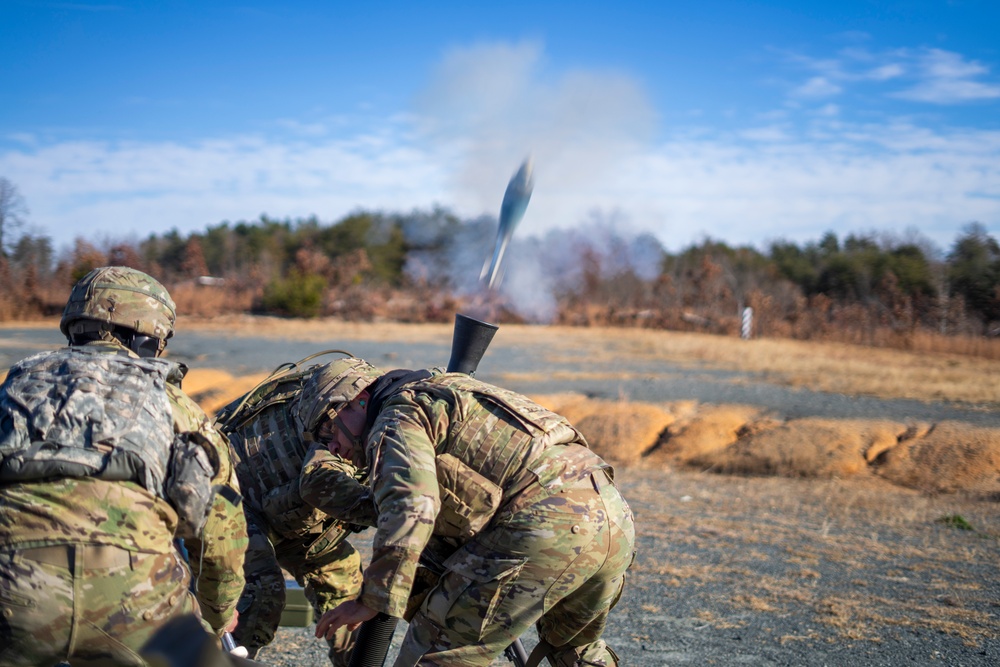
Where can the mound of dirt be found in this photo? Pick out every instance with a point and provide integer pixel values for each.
(620, 432)
(738, 439)
(701, 433)
(808, 448)
(947, 458)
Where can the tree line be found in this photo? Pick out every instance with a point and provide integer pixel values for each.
(423, 266)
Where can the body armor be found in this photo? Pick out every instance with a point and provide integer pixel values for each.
(78, 412)
(504, 433)
(499, 446)
(265, 436)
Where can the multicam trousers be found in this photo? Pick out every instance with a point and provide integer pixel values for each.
(559, 562)
(90, 605)
(329, 580)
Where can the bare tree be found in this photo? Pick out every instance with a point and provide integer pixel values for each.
(13, 211)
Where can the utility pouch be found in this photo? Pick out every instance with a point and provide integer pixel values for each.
(188, 485)
(468, 499)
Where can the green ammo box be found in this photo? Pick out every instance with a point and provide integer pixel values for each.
(298, 613)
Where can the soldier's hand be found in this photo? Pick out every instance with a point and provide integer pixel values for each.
(233, 623)
(351, 613)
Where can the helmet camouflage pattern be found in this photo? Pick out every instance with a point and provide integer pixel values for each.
(331, 387)
(123, 297)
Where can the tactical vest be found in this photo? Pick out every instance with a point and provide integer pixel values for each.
(82, 413)
(267, 444)
(497, 446)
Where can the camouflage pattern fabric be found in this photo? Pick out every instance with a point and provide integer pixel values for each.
(89, 515)
(292, 488)
(329, 579)
(553, 553)
(216, 554)
(122, 296)
(263, 597)
(335, 487)
(96, 607)
(80, 412)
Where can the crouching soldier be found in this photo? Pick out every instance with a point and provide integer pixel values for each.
(104, 461)
(291, 529)
(539, 531)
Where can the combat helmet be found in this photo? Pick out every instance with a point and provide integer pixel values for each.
(332, 387)
(116, 298)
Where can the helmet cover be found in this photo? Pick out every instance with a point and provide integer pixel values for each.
(121, 296)
(332, 387)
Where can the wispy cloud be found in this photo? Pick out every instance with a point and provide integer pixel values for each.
(947, 78)
(925, 75)
(817, 86)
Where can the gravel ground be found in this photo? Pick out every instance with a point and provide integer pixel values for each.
(789, 572)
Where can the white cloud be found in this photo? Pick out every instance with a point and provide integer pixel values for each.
(84, 188)
(817, 86)
(885, 72)
(947, 78)
(930, 75)
(589, 133)
(770, 133)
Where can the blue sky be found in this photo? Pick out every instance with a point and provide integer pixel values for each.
(745, 122)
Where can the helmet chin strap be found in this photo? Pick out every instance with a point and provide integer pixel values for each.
(356, 440)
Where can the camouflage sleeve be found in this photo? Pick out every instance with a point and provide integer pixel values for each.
(334, 578)
(404, 481)
(216, 556)
(331, 485)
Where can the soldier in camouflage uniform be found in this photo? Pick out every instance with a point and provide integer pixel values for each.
(538, 532)
(104, 461)
(280, 470)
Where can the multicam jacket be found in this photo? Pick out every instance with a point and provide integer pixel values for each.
(98, 446)
(291, 486)
(447, 456)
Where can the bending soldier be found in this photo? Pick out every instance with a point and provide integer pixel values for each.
(538, 530)
(104, 461)
(277, 463)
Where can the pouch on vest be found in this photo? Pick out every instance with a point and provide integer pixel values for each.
(189, 483)
(468, 500)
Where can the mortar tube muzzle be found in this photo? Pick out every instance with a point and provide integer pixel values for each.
(469, 343)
